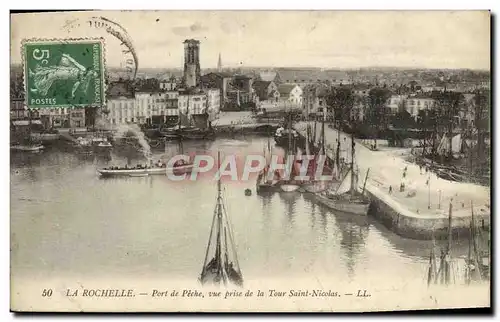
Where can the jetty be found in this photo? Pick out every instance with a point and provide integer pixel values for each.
(420, 210)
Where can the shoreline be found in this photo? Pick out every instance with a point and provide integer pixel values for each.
(419, 216)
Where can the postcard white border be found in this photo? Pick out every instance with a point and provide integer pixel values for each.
(199, 4)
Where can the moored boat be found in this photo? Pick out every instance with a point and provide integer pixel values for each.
(346, 198)
(221, 266)
(289, 187)
(281, 136)
(197, 135)
(143, 170)
(104, 145)
(345, 203)
(27, 147)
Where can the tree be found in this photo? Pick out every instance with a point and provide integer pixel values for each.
(342, 101)
(447, 106)
(403, 119)
(378, 112)
(482, 112)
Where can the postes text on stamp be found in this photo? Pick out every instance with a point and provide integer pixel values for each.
(64, 73)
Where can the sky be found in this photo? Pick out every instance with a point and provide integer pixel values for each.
(326, 39)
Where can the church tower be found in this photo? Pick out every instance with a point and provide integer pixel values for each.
(219, 64)
(192, 70)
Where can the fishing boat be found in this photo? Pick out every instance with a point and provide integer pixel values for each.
(264, 182)
(313, 185)
(440, 270)
(221, 265)
(17, 147)
(178, 169)
(290, 185)
(102, 144)
(346, 198)
(477, 261)
(170, 135)
(281, 136)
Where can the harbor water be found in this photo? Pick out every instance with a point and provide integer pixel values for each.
(66, 220)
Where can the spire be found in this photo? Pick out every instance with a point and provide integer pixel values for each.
(219, 64)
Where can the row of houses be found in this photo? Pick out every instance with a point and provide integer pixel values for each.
(48, 117)
(166, 105)
(239, 92)
(315, 101)
(125, 104)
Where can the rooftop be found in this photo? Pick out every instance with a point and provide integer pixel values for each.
(285, 89)
(192, 41)
(220, 74)
(120, 89)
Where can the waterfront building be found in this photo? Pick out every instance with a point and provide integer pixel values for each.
(265, 90)
(120, 104)
(418, 102)
(19, 111)
(169, 84)
(77, 117)
(192, 108)
(314, 99)
(291, 93)
(220, 81)
(54, 118)
(396, 103)
(143, 105)
(213, 103)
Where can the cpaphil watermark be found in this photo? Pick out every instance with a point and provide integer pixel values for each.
(234, 168)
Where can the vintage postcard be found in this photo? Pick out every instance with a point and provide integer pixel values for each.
(250, 161)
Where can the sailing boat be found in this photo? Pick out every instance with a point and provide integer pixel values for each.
(478, 265)
(442, 274)
(346, 198)
(182, 166)
(221, 262)
(290, 185)
(264, 183)
(313, 185)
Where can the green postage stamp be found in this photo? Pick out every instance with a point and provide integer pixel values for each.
(64, 73)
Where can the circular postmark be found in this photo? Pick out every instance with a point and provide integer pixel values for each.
(112, 32)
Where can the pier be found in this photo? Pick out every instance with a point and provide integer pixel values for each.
(421, 210)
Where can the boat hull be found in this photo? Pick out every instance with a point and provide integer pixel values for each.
(145, 172)
(289, 187)
(197, 136)
(267, 187)
(346, 206)
(315, 187)
(22, 148)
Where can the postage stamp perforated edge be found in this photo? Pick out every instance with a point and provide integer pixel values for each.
(103, 62)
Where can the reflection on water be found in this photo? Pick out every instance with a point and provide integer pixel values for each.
(64, 219)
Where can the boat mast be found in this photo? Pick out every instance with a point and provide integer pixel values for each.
(308, 151)
(448, 251)
(323, 132)
(474, 250)
(218, 252)
(353, 185)
(337, 154)
(289, 116)
(430, 274)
